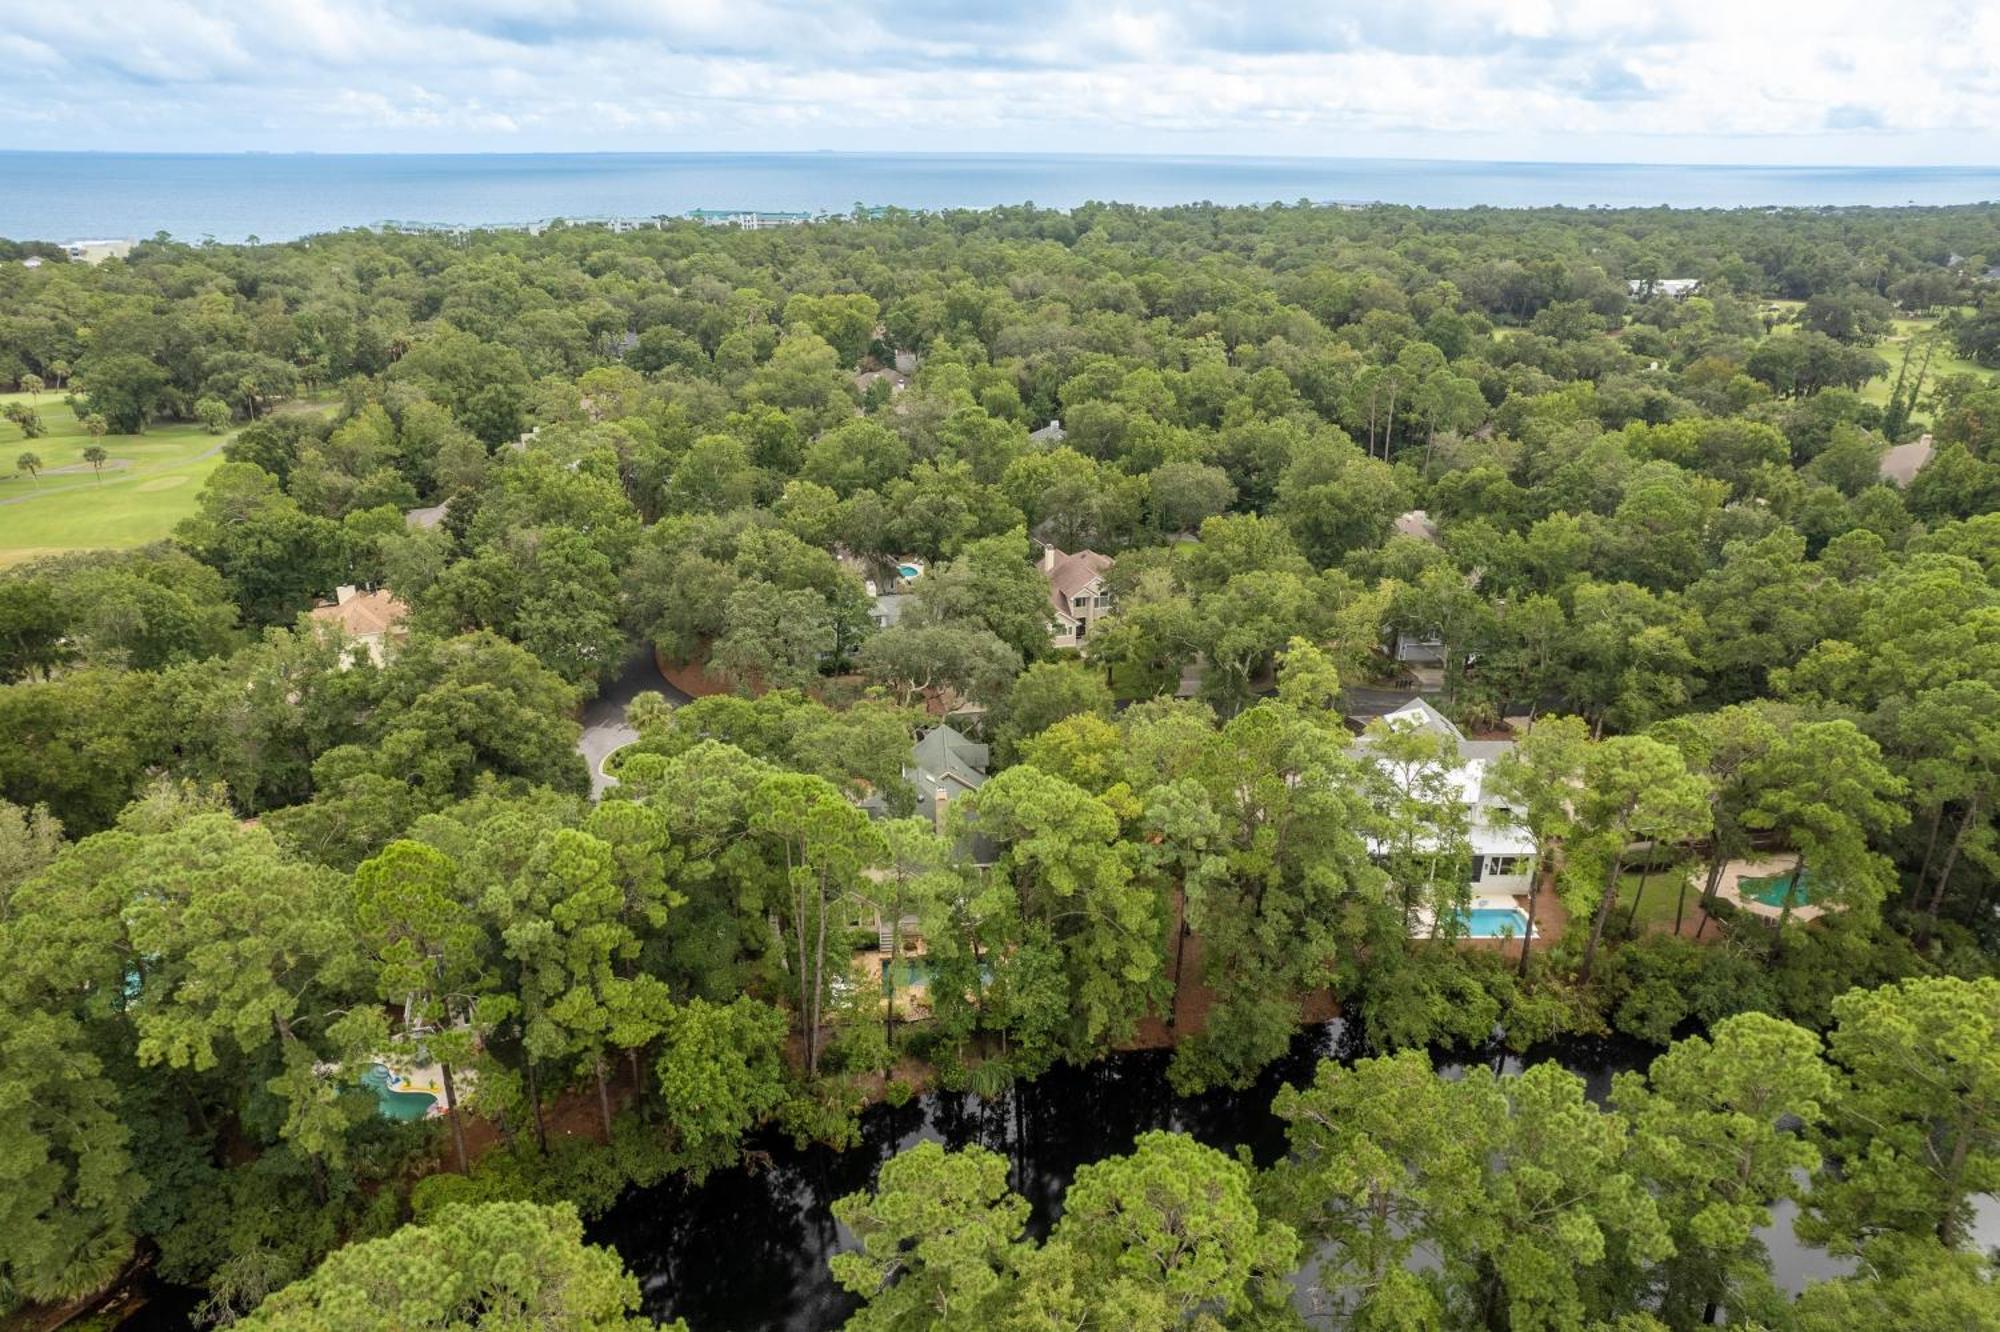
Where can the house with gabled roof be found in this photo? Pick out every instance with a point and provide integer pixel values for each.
(1503, 852)
(370, 619)
(1078, 595)
(944, 765)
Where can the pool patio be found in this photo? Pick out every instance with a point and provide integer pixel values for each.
(1484, 912)
(1737, 872)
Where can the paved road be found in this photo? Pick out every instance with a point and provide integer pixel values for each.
(604, 727)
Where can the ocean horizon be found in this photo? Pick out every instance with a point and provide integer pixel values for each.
(61, 196)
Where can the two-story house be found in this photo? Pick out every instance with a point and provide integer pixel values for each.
(1078, 594)
(1503, 853)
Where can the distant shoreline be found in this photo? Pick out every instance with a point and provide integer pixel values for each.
(1586, 164)
(59, 196)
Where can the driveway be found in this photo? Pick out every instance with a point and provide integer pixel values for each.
(604, 727)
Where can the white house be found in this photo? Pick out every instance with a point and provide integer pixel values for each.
(887, 612)
(1503, 853)
(1678, 289)
(1078, 594)
(97, 251)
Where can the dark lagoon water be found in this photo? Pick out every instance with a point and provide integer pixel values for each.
(230, 196)
(747, 1250)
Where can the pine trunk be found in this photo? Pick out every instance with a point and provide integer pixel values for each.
(1604, 906)
(457, 1125)
(1944, 873)
(1708, 892)
(1534, 895)
(1639, 894)
(1180, 952)
(535, 1102)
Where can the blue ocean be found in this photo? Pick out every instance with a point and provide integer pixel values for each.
(232, 196)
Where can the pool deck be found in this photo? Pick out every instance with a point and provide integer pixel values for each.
(1738, 870)
(428, 1080)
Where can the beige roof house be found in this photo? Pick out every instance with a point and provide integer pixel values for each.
(1416, 523)
(1902, 462)
(371, 619)
(1078, 594)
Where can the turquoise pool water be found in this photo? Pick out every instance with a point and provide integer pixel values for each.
(1771, 889)
(1494, 922)
(908, 571)
(392, 1104)
(915, 972)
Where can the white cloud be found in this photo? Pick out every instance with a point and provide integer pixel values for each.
(1687, 80)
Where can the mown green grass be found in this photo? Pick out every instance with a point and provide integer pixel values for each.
(1656, 908)
(149, 485)
(1944, 361)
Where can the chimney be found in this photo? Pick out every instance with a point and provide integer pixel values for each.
(1049, 556)
(940, 808)
(343, 594)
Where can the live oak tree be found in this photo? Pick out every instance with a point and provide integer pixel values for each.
(1073, 888)
(721, 1070)
(1648, 512)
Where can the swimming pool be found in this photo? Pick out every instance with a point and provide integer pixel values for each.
(1491, 922)
(909, 572)
(392, 1104)
(911, 974)
(1770, 890)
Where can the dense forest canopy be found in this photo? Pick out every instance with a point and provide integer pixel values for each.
(1685, 524)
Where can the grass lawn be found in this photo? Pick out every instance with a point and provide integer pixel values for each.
(149, 485)
(1656, 908)
(1944, 361)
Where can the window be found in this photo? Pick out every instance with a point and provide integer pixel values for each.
(1505, 866)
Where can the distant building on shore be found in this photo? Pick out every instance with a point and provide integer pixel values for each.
(748, 219)
(97, 251)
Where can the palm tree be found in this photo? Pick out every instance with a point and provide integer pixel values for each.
(31, 463)
(97, 457)
(648, 708)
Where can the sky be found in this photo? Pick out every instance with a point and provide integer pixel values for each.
(1680, 81)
